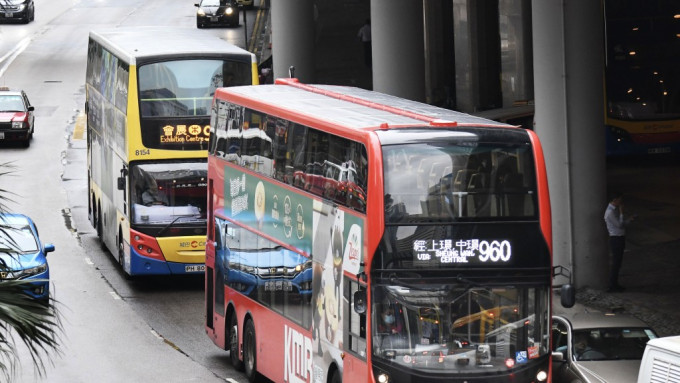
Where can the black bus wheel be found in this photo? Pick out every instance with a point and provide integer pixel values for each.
(233, 343)
(336, 378)
(250, 352)
(121, 256)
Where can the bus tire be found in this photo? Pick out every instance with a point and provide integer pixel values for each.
(100, 227)
(121, 255)
(232, 337)
(335, 377)
(98, 222)
(250, 351)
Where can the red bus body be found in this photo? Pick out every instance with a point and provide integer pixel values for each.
(292, 256)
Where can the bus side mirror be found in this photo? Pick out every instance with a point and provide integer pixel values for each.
(360, 301)
(121, 179)
(558, 356)
(567, 295)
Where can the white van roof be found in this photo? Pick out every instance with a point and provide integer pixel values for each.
(670, 343)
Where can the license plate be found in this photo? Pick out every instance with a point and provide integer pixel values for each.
(2, 135)
(9, 14)
(213, 18)
(194, 268)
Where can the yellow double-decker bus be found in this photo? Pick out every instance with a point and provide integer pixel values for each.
(148, 96)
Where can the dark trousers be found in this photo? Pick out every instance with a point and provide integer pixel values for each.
(617, 245)
(368, 55)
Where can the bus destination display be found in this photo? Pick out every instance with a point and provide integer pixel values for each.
(461, 251)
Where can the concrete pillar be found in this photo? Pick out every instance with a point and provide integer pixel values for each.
(439, 55)
(293, 38)
(568, 79)
(398, 48)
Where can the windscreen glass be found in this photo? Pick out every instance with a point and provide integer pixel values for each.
(462, 328)
(169, 192)
(186, 87)
(610, 343)
(459, 178)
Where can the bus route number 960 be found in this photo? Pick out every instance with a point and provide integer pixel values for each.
(494, 251)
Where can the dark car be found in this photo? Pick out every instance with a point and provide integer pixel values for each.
(17, 10)
(16, 116)
(217, 12)
(23, 255)
(598, 347)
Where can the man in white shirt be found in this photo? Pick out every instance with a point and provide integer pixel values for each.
(364, 36)
(616, 226)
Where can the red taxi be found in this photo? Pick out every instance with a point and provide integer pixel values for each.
(16, 116)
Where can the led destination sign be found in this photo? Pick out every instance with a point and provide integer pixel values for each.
(461, 251)
(176, 134)
(184, 134)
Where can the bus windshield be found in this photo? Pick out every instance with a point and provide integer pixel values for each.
(454, 179)
(457, 328)
(168, 192)
(186, 87)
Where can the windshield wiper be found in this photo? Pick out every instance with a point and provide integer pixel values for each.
(166, 227)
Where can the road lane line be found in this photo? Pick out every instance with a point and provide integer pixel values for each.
(12, 54)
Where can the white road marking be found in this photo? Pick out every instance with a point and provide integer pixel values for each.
(12, 54)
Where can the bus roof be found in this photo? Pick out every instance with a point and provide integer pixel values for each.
(139, 43)
(353, 108)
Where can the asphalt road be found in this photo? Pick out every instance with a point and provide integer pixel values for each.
(115, 330)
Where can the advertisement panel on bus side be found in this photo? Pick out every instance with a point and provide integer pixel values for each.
(281, 213)
(331, 236)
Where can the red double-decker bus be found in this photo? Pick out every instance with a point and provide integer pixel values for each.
(432, 265)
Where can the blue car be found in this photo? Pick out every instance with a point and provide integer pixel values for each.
(22, 255)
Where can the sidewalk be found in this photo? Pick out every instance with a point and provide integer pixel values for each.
(651, 276)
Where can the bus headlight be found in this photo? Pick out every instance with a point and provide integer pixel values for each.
(229, 11)
(542, 376)
(383, 377)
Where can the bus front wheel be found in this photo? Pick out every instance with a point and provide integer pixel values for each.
(121, 255)
(336, 378)
(233, 343)
(250, 351)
